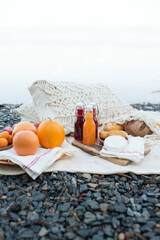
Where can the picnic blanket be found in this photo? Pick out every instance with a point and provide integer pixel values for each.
(83, 162)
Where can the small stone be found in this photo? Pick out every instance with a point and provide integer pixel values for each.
(136, 228)
(123, 179)
(158, 214)
(146, 214)
(97, 195)
(83, 188)
(34, 217)
(89, 217)
(86, 175)
(84, 233)
(1, 234)
(64, 207)
(103, 207)
(99, 217)
(4, 197)
(45, 188)
(55, 229)
(70, 235)
(144, 197)
(43, 232)
(139, 207)
(26, 233)
(119, 207)
(121, 236)
(157, 225)
(97, 237)
(141, 220)
(15, 208)
(151, 224)
(130, 212)
(3, 212)
(115, 222)
(92, 185)
(104, 184)
(24, 204)
(22, 213)
(14, 216)
(128, 235)
(11, 187)
(93, 204)
(152, 200)
(109, 231)
(137, 214)
(39, 197)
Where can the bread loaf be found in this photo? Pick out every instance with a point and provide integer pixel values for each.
(111, 126)
(137, 128)
(117, 132)
(103, 134)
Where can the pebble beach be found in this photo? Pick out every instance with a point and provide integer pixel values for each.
(78, 206)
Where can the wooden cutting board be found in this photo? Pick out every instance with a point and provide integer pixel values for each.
(96, 148)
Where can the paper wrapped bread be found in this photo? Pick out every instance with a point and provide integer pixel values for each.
(137, 128)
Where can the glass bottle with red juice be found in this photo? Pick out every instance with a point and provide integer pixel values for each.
(78, 125)
(95, 113)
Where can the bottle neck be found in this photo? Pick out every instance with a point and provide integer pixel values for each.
(80, 113)
(89, 116)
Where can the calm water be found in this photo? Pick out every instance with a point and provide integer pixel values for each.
(81, 42)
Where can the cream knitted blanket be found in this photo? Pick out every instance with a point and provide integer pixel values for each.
(57, 100)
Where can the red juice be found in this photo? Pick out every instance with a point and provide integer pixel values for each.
(78, 126)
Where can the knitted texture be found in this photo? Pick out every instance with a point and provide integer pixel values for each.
(58, 100)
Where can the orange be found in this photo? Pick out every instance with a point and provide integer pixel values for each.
(4, 134)
(3, 142)
(23, 126)
(10, 138)
(25, 143)
(51, 134)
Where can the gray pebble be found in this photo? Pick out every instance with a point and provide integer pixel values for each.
(109, 231)
(39, 197)
(89, 217)
(26, 233)
(64, 207)
(119, 207)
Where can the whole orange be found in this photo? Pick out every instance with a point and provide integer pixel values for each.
(51, 134)
(25, 143)
(23, 126)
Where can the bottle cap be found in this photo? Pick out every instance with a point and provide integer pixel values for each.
(89, 108)
(93, 104)
(80, 105)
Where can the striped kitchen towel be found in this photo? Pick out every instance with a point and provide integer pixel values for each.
(36, 164)
(134, 150)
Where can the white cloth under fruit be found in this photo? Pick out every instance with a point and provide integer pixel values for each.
(134, 150)
(35, 164)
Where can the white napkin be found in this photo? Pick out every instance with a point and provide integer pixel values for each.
(134, 150)
(35, 164)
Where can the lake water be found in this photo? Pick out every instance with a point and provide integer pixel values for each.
(94, 43)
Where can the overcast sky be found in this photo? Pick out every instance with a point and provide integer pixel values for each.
(113, 41)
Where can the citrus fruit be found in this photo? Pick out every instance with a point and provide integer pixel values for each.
(51, 134)
(23, 126)
(25, 143)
